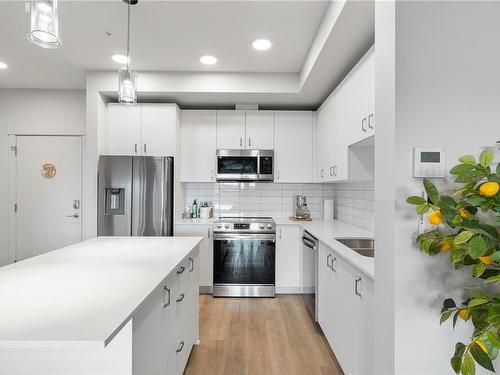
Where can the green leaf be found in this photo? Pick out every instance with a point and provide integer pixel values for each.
(447, 202)
(473, 175)
(476, 247)
(455, 364)
(445, 316)
(431, 191)
(498, 170)
(415, 200)
(481, 357)
(478, 269)
(477, 293)
(468, 367)
(486, 157)
(422, 208)
(494, 339)
(463, 237)
(461, 168)
(492, 279)
(467, 159)
(496, 256)
(478, 301)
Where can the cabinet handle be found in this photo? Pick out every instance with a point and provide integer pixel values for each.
(322, 173)
(328, 261)
(166, 292)
(208, 234)
(135, 148)
(334, 170)
(331, 171)
(356, 282)
(249, 142)
(363, 124)
(241, 141)
(278, 174)
(191, 264)
(281, 230)
(145, 148)
(370, 121)
(180, 347)
(181, 270)
(181, 297)
(211, 174)
(334, 259)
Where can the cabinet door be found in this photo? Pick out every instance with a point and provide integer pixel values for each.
(288, 258)
(198, 140)
(293, 146)
(365, 332)
(124, 129)
(325, 293)
(206, 253)
(371, 92)
(230, 130)
(259, 130)
(159, 130)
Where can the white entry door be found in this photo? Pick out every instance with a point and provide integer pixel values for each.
(48, 193)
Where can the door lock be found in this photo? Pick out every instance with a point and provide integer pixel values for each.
(76, 204)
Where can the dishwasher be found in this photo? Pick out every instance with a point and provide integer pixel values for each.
(310, 273)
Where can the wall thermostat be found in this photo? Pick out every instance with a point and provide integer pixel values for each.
(428, 162)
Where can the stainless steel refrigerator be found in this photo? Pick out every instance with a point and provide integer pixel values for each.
(135, 196)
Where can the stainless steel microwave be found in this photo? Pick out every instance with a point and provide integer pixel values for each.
(245, 165)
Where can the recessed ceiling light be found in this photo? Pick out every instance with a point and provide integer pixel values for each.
(120, 59)
(3, 65)
(261, 44)
(208, 60)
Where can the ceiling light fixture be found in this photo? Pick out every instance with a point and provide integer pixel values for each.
(261, 44)
(3, 65)
(43, 23)
(208, 60)
(120, 59)
(127, 78)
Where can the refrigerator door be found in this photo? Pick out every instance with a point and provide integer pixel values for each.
(152, 196)
(114, 196)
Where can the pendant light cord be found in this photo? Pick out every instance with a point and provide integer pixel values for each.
(128, 36)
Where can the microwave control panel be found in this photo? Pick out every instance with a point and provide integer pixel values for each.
(428, 162)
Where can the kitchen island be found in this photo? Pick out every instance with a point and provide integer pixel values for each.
(107, 305)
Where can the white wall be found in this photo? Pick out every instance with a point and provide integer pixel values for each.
(443, 91)
(41, 112)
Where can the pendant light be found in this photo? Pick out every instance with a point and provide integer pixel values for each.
(127, 78)
(43, 23)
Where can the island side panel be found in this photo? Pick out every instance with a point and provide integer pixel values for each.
(115, 358)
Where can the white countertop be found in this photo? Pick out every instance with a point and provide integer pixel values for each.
(197, 221)
(83, 294)
(327, 231)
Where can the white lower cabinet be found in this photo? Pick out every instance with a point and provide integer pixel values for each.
(288, 259)
(206, 257)
(166, 327)
(345, 304)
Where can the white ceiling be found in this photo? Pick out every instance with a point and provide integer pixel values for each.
(166, 36)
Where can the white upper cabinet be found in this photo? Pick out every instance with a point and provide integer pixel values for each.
(124, 129)
(142, 129)
(198, 146)
(259, 130)
(293, 151)
(159, 129)
(231, 130)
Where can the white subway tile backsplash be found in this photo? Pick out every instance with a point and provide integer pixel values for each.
(354, 203)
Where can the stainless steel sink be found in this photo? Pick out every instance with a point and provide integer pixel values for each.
(362, 246)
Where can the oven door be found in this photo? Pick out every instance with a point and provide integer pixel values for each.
(244, 265)
(237, 165)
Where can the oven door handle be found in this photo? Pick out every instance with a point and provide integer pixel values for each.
(240, 236)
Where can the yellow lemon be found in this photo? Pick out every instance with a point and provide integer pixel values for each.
(464, 214)
(445, 246)
(435, 218)
(487, 259)
(462, 313)
(482, 346)
(489, 189)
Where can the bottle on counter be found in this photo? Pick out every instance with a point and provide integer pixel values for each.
(194, 210)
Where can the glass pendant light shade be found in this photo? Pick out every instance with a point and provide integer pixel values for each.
(43, 23)
(127, 86)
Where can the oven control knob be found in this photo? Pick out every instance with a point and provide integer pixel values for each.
(261, 226)
(219, 226)
(269, 226)
(226, 226)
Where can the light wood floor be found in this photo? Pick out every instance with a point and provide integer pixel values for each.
(259, 336)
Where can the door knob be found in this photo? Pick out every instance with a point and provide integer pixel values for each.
(75, 215)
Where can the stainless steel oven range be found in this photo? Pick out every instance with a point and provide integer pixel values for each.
(244, 257)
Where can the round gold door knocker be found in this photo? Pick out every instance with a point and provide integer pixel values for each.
(48, 170)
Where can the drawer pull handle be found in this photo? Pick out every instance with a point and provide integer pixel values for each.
(334, 259)
(180, 347)
(166, 292)
(180, 298)
(328, 261)
(181, 270)
(191, 262)
(356, 283)
(370, 121)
